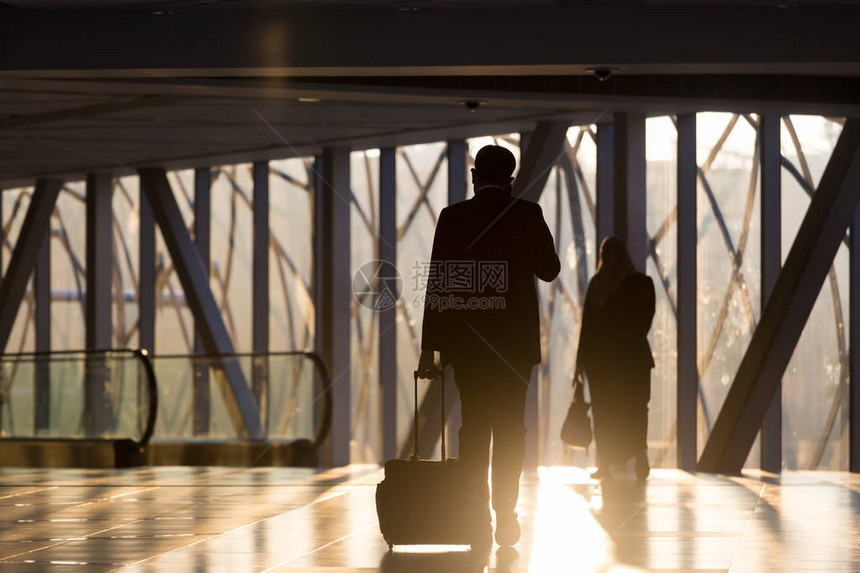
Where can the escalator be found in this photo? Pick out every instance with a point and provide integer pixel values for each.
(125, 408)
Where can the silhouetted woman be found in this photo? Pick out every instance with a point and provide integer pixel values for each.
(615, 355)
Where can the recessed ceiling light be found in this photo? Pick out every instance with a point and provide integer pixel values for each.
(310, 99)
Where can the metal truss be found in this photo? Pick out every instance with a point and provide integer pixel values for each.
(365, 420)
(738, 283)
(125, 276)
(570, 182)
(785, 316)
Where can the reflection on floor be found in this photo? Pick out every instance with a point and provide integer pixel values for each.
(278, 519)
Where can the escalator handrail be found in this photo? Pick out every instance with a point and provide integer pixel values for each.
(328, 401)
(142, 355)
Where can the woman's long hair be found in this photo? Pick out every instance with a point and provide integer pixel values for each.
(614, 266)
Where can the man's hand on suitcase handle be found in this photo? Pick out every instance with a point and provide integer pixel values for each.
(427, 365)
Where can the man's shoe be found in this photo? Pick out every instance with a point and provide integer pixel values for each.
(507, 529)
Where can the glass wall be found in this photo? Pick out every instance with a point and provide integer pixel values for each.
(662, 267)
(174, 325)
(126, 261)
(422, 193)
(815, 384)
(68, 267)
(291, 305)
(729, 255)
(364, 233)
(568, 204)
(231, 272)
(67, 272)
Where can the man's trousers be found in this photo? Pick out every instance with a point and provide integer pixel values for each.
(493, 397)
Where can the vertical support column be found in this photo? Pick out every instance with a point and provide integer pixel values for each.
(203, 242)
(688, 375)
(146, 288)
(260, 287)
(98, 412)
(854, 349)
(629, 201)
(387, 249)
(316, 179)
(333, 307)
(146, 295)
(42, 292)
(458, 184)
(771, 264)
(605, 184)
(2, 236)
(457, 178)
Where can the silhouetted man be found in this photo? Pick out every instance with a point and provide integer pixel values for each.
(481, 314)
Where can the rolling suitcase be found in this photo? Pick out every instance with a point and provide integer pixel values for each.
(423, 501)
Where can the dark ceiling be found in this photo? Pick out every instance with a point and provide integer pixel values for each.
(392, 4)
(185, 83)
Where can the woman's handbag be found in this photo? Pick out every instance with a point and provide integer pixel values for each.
(576, 431)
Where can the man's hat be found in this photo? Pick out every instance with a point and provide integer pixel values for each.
(495, 164)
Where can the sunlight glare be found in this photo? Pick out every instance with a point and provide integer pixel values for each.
(430, 548)
(566, 533)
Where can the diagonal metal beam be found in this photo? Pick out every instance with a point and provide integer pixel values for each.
(788, 307)
(195, 281)
(33, 231)
(539, 154)
(577, 225)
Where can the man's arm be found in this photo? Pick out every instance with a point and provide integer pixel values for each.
(433, 325)
(547, 265)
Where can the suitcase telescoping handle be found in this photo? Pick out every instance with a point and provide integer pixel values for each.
(415, 431)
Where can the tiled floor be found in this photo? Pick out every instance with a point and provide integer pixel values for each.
(278, 519)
